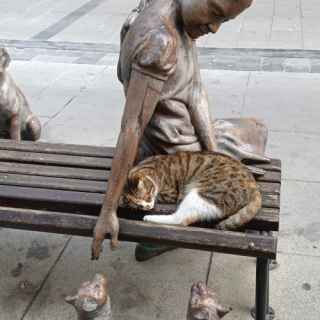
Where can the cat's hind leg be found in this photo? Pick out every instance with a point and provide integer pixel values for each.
(192, 209)
(244, 215)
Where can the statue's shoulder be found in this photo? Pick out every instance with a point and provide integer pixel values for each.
(158, 49)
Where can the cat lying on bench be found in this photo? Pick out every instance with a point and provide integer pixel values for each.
(208, 187)
(16, 119)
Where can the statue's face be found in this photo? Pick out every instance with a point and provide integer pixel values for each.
(204, 16)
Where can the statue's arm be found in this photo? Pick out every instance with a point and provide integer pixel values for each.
(201, 120)
(132, 17)
(142, 97)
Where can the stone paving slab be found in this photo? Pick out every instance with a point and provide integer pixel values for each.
(292, 103)
(267, 24)
(24, 19)
(226, 91)
(300, 219)
(294, 286)
(234, 59)
(26, 260)
(299, 154)
(157, 289)
(102, 103)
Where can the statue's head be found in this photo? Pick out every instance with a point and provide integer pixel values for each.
(204, 16)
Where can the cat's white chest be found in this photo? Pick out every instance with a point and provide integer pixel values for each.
(192, 208)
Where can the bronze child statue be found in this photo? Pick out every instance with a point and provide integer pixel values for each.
(166, 105)
(16, 119)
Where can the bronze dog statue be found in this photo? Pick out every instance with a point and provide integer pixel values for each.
(17, 122)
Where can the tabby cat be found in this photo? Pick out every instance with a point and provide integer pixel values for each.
(207, 186)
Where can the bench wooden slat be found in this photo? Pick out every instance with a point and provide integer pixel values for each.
(16, 157)
(54, 171)
(41, 193)
(91, 185)
(90, 204)
(35, 172)
(85, 150)
(57, 148)
(56, 159)
(186, 237)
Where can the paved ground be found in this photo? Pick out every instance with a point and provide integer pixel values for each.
(259, 65)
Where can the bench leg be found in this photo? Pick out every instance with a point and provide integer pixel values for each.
(262, 311)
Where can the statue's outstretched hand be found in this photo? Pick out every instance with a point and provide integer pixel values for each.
(108, 222)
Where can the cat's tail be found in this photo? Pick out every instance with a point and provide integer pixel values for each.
(244, 215)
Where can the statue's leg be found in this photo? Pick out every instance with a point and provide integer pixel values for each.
(243, 138)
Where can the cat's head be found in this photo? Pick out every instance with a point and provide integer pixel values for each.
(141, 191)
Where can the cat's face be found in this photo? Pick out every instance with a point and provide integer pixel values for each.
(140, 192)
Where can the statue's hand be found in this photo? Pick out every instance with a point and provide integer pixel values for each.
(107, 223)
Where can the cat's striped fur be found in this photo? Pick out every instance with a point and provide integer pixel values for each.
(207, 186)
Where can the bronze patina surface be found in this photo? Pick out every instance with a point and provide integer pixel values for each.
(17, 121)
(166, 104)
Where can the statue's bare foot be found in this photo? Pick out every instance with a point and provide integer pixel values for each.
(203, 304)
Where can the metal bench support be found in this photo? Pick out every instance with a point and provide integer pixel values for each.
(262, 310)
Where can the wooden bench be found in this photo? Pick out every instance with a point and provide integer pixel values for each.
(59, 188)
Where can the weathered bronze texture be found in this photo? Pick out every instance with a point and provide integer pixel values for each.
(166, 105)
(16, 119)
(203, 304)
(92, 301)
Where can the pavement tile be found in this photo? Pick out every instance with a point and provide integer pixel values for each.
(288, 23)
(299, 154)
(293, 297)
(299, 218)
(311, 40)
(98, 27)
(226, 91)
(104, 97)
(156, 289)
(292, 103)
(52, 99)
(26, 259)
